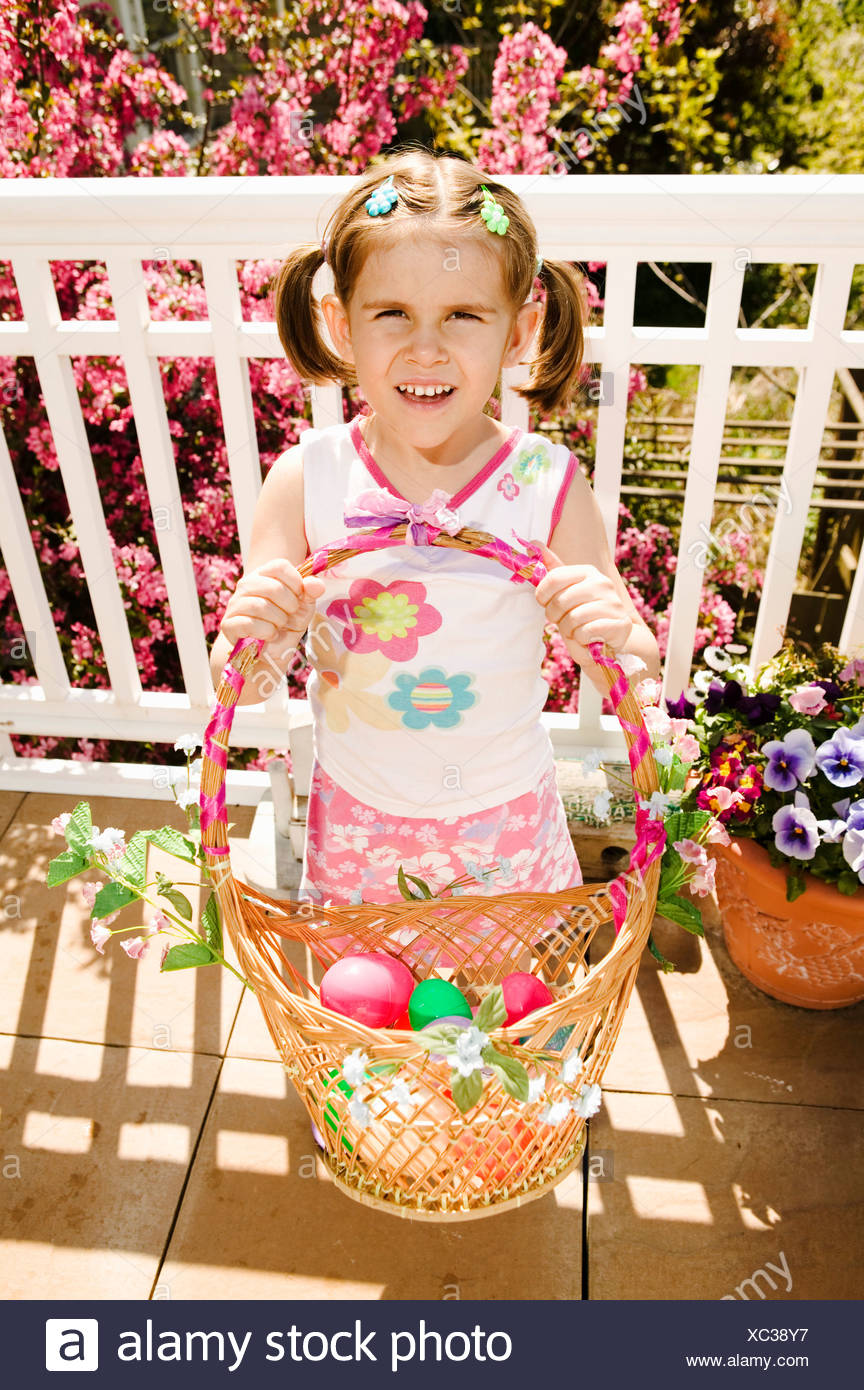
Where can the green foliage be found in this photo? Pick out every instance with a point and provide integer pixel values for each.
(64, 867)
(186, 955)
(110, 898)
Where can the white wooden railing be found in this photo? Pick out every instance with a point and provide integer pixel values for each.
(622, 220)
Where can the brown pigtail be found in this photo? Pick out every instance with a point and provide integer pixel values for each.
(299, 320)
(555, 371)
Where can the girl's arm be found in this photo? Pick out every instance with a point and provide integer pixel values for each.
(277, 535)
(590, 605)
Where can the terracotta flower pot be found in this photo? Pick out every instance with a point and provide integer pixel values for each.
(809, 952)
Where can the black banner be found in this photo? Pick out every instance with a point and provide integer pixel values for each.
(518, 1344)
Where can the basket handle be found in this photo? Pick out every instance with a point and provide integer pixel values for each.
(527, 567)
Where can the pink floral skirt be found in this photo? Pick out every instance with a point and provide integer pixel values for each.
(353, 851)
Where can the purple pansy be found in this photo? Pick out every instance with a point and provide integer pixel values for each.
(841, 758)
(796, 830)
(758, 708)
(853, 851)
(722, 695)
(681, 708)
(789, 761)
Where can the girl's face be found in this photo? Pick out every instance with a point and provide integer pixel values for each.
(430, 313)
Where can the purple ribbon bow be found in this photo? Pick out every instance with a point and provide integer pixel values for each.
(378, 507)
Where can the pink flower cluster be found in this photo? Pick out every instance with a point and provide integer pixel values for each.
(525, 79)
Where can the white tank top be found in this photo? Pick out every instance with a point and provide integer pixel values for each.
(425, 684)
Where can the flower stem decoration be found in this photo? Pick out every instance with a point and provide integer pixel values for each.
(493, 214)
(88, 847)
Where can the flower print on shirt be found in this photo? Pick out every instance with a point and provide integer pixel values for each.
(386, 618)
(432, 698)
(531, 461)
(344, 681)
(508, 487)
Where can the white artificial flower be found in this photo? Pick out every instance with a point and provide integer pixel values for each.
(400, 1095)
(630, 663)
(103, 841)
(571, 1067)
(195, 767)
(188, 797)
(657, 804)
(588, 1101)
(663, 755)
(554, 1114)
(466, 1055)
(354, 1067)
(359, 1111)
(187, 743)
(602, 802)
(536, 1087)
(591, 760)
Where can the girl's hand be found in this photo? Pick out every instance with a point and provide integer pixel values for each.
(583, 603)
(273, 601)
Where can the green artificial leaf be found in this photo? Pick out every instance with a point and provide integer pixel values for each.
(173, 842)
(795, 886)
(186, 955)
(178, 901)
(439, 1038)
(848, 883)
(211, 923)
(64, 867)
(79, 828)
(510, 1072)
(684, 825)
(467, 1090)
(402, 884)
(110, 898)
(492, 1011)
(665, 965)
(682, 911)
(133, 865)
(401, 879)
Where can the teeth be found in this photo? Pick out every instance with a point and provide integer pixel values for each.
(426, 390)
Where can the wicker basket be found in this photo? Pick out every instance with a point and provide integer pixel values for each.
(432, 1162)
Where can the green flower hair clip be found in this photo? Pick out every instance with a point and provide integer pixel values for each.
(493, 214)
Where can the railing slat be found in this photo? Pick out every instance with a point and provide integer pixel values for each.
(235, 395)
(724, 298)
(611, 430)
(129, 293)
(63, 408)
(19, 557)
(827, 314)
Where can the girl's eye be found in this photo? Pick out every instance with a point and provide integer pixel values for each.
(459, 313)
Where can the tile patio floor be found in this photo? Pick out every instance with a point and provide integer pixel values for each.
(151, 1147)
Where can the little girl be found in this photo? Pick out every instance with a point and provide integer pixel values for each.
(426, 685)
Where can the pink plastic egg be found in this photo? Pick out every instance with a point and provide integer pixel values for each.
(523, 993)
(371, 987)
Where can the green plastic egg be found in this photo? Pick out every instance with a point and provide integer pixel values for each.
(434, 999)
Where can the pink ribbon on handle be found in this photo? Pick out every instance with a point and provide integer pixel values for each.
(379, 507)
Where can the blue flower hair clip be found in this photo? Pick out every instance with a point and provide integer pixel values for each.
(383, 200)
(493, 213)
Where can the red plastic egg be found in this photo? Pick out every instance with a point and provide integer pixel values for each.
(523, 993)
(371, 987)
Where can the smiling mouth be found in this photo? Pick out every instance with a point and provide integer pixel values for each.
(426, 396)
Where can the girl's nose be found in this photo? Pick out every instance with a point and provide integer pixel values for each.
(425, 345)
